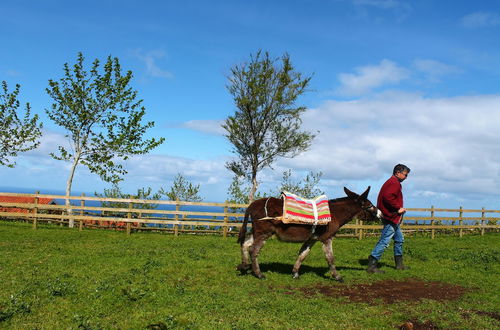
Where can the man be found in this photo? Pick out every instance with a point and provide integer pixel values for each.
(390, 203)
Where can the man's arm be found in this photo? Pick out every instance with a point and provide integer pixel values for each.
(390, 197)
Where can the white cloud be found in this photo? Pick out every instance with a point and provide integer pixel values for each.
(149, 58)
(206, 126)
(163, 167)
(159, 171)
(37, 170)
(434, 70)
(451, 144)
(368, 78)
(374, 78)
(49, 142)
(480, 19)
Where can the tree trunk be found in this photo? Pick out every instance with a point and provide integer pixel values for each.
(69, 211)
(255, 184)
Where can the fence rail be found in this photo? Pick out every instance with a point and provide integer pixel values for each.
(222, 218)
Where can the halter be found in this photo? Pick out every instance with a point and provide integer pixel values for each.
(367, 208)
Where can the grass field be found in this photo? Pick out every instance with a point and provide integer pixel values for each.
(54, 278)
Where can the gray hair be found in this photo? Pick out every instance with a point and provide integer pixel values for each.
(400, 168)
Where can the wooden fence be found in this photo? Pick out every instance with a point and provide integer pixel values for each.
(222, 218)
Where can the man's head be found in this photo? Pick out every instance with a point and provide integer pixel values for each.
(401, 172)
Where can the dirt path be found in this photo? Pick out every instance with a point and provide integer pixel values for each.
(390, 292)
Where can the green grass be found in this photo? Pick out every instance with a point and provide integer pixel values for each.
(55, 277)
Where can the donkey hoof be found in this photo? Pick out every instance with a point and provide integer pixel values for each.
(260, 276)
(339, 279)
(243, 268)
(295, 275)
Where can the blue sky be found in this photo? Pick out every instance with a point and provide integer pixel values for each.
(414, 82)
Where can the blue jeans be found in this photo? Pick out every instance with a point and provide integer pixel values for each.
(390, 230)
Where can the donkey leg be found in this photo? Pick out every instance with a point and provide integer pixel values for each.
(254, 253)
(330, 258)
(245, 255)
(304, 251)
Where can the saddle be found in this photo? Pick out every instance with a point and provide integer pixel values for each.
(299, 210)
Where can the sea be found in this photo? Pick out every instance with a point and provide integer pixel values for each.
(199, 208)
(162, 207)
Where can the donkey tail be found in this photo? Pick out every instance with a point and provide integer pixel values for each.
(243, 229)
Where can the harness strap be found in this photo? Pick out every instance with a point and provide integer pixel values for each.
(265, 206)
(315, 211)
(267, 217)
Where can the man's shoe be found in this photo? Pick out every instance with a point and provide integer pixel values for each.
(372, 266)
(399, 263)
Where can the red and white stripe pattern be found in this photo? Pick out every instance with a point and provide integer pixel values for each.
(305, 211)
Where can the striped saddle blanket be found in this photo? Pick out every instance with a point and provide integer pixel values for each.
(305, 211)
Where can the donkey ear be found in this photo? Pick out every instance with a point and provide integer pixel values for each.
(365, 194)
(350, 193)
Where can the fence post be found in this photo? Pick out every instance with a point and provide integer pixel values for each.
(433, 231)
(176, 217)
(103, 213)
(482, 221)
(139, 224)
(35, 211)
(356, 230)
(224, 230)
(129, 216)
(460, 221)
(360, 232)
(82, 204)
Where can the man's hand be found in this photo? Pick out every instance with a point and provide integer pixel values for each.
(402, 211)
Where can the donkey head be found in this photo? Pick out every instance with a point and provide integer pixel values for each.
(364, 203)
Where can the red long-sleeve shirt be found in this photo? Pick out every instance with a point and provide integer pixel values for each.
(390, 199)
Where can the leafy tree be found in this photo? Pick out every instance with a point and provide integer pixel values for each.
(102, 118)
(182, 190)
(266, 124)
(306, 188)
(142, 193)
(238, 192)
(238, 189)
(18, 133)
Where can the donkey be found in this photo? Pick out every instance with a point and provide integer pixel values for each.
(342, 211)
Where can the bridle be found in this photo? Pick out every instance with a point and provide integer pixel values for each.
(372, 209)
